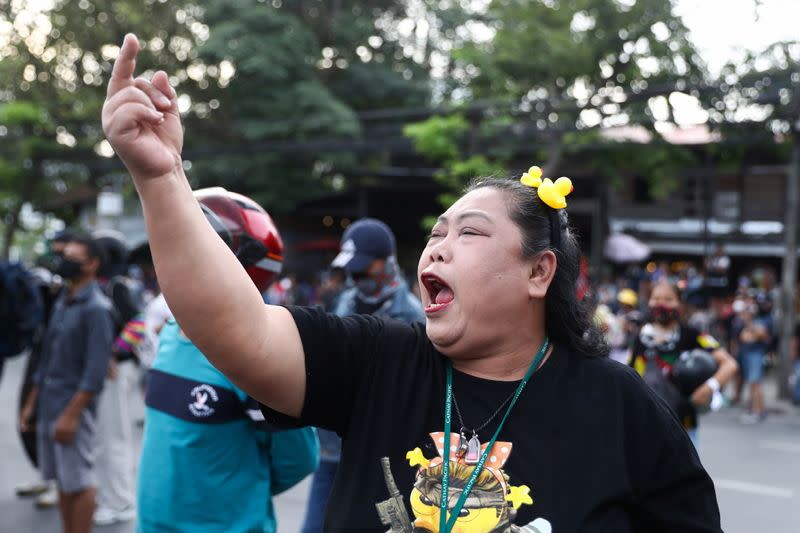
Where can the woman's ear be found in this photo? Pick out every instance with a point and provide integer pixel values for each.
(543, 269)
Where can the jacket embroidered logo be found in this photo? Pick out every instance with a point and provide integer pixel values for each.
(201, 395)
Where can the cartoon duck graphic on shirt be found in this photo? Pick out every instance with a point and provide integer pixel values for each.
(490, 507)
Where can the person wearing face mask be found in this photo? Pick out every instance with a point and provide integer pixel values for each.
(75, 354)
(661, 342)
(368, 256)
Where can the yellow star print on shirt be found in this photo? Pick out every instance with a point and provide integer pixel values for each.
(415, 458)
(519, 495)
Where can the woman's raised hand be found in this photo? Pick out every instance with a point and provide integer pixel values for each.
(140, 118)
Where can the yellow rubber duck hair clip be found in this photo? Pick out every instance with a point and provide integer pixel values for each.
(552, 193)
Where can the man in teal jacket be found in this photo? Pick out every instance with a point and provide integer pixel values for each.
(209, 462)
(205, 465)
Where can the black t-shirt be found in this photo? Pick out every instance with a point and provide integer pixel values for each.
(649, 355)
(595, 448)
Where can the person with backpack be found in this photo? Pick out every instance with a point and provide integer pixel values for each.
(21, 311)
(50, 286)
(116, 459)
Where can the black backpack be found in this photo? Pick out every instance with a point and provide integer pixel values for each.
(21, 309)
(126, 298)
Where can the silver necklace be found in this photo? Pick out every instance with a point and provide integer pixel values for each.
(470, 450)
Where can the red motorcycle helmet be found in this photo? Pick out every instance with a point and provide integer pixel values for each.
(247, 229)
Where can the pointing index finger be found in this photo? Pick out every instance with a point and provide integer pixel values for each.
(122, 73)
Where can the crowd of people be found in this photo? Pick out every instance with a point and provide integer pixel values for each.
(736, 313)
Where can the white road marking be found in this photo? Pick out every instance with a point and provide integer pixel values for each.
(754, 488)
(779, 446)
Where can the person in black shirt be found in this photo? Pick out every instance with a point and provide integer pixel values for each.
(440, 432)
(661, 342)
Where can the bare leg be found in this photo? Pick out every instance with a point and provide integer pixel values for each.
(80, 509)
(738, 385)
(66, 511)
(757, 398)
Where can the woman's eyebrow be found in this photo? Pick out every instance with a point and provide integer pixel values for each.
(466, 214)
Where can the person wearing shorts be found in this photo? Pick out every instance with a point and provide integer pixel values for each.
(69, 464)
(75, 356)
(754, 341)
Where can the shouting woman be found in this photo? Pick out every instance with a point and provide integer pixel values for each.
(496, 415)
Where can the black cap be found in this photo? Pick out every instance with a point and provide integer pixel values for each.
(363, 242)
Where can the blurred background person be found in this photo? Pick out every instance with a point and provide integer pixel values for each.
(333, 284)
(629, 319)
(69, 378)
(50, 286)
(753, 342)
(661, 342)
(115, 420)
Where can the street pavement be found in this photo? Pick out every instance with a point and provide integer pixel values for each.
(756, 470)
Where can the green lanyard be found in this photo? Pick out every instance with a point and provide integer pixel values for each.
(445, 526)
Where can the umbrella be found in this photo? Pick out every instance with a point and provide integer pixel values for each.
(623, 248)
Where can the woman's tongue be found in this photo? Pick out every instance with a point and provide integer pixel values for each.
(444, 296)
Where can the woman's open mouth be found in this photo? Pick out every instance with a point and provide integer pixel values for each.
(440, 294)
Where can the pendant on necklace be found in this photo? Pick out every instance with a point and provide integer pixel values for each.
(473, 454)
(462, 445)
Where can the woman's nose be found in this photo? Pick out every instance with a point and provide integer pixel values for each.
(440, 252)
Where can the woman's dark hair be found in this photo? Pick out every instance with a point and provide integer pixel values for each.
(567, 320)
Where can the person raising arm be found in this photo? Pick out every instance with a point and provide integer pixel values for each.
(141, 121)
(507, 360)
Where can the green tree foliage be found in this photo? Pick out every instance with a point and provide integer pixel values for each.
(258, 81)
(554, 70)
(54, 65)
(364, 58)
(758, 99)
(27, 134)
(302, 71)
(276, 94)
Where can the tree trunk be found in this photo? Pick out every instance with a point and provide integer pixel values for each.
(10, 230)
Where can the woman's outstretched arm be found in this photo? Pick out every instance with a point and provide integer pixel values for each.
(257, 346)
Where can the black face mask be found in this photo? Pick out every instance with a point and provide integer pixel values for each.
(69, 269)
(664, 315)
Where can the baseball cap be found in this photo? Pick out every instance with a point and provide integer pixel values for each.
(362, 242)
